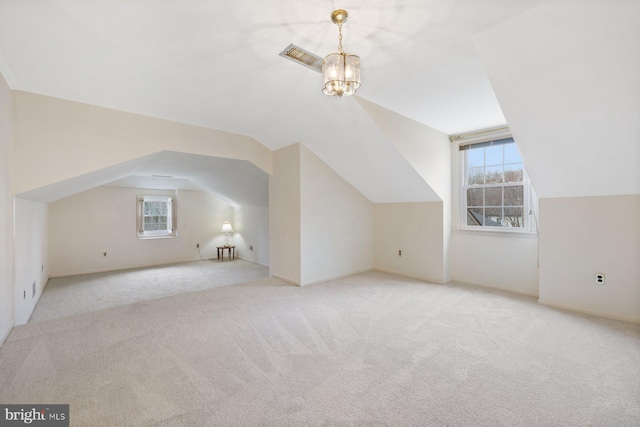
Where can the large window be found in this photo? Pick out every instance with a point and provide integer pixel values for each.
(495, 190)
(156, 216)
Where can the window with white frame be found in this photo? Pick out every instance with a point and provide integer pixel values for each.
(495, 187)
(156, 216)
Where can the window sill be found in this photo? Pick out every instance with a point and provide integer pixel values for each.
(157, 236)
(498, 232)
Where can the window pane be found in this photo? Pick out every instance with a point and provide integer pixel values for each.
(514, 217)
(475, 158)
(511, 154)
(514, 196)
(476, 176)
(493, 175)
(474, 197)
(493, 196)
(493, 217)
(475, 217)
(493, 155)
(513, 173)
(493, 200)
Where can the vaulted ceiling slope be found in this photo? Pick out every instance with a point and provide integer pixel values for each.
(236, 182)
(567, 75)
(215, 64)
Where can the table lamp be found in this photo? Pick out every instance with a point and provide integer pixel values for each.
(226, 229)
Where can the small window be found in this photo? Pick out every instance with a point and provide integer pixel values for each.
(495, 187)
(156, 217)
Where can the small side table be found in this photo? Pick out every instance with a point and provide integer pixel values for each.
(232, 252)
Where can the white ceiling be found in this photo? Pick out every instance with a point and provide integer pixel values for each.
(216, 64)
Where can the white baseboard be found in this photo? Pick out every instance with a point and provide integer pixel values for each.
(337, 276)
(499, 288)
(588, 311)
(286, 279)
(408, 276)
(6, 333)
(252, 261)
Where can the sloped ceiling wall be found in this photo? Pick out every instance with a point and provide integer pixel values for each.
(567, 76)
(348, 139)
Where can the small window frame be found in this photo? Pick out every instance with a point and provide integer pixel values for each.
(464, 186)
(171, 220)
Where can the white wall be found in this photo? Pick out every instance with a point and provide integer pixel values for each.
(84, 226)
(582, 236)
(491, 258)
(31, 256)
(6, 212)
(416, 230)
(284, 215)
(567, 76)
(251, 233)
(336, 223)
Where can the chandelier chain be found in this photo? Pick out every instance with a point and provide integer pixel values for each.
(340, 39)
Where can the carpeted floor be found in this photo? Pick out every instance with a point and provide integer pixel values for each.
(66, 296)
(369, 349)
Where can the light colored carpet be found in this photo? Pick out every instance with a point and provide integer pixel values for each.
(370, 349)
(66, 296)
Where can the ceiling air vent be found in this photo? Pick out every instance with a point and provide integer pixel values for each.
(301, 56)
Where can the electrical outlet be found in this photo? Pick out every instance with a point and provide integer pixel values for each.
(104, 254)
(24, 294)
(251, 247)
(42, 268)
(33, 290)
(197, 245)
(600, 278)
(399, 252)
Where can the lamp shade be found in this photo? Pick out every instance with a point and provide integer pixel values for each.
(226, 227)
(341, 73)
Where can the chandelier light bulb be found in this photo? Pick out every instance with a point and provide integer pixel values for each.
(341, 70)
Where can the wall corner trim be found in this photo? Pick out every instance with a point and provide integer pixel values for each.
(6, 333)
(574, 309)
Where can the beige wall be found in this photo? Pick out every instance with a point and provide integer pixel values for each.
(416, 230)
(251, 233)
(336, 223)
(31, 256)
(491, 258)
(56, 140)
(6, 212)
(84, 226)
(497, 260)
(284, 215)
(429, 153)
(582, 236)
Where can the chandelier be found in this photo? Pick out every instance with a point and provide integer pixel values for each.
(341, 71)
